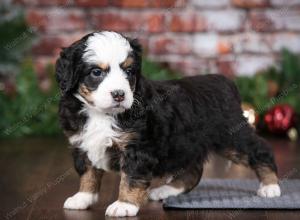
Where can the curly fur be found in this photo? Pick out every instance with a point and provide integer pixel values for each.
(177, 122)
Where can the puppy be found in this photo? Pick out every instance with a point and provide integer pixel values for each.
(117, 120)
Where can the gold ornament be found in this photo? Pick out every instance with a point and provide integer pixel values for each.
(250, 114)
(293, 134)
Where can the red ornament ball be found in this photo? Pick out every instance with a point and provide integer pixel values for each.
(280, 118)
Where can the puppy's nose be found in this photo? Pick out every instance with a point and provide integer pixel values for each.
(118, 95)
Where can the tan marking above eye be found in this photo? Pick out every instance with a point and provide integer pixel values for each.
(103, 66)
(127, 62)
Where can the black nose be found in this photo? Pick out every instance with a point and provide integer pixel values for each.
(118, 95)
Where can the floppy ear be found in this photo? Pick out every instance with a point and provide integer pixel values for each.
(65, 70)
(136, 46)
(137, 51)
(69, 64)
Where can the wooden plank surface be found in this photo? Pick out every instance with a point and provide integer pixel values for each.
(37, 176)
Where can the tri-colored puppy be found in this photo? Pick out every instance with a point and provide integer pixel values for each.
(117, 120)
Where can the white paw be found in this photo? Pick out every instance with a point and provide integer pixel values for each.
(164, 192)
(269, 191)
(121, 209)
(81, 200)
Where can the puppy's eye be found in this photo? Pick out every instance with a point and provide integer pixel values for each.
(96, 73)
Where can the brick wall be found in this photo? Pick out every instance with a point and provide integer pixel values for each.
(193, 36)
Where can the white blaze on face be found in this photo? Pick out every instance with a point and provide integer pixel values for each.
(112, 49)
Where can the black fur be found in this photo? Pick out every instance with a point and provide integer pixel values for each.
(80, 161)
(69, 66)
(177, 122)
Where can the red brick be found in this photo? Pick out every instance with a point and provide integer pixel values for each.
(225, 67)
(250, 42)
(276, 20)
(250, 64)
(56, 20)
(229, 20)
(44, 2)
(155, 22)
(285, 3)
(47, 45)
(213, 4)
(92, 3)
(51, 45)
(204, 52)
(149, 3)
(36, 19)
(224, 47)
(191, 66)
(290, 41)
(251, 3)
(112, 21)
(187, 65)
(211, 45)
(166, 3)
(170, 45)
(261, 22)
(148, 22)
(187, 22)
(130, 3)
(40, 65)
(68, 39)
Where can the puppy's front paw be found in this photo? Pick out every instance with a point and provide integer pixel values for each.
(269, 191)
(121, 209)
(81, 200)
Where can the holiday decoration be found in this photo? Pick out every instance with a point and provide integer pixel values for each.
(273, 88)
(275, 85)
(280, 118)
(273, 94)
(250, 113)
(293, 134)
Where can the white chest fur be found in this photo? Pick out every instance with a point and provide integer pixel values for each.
(97, 135)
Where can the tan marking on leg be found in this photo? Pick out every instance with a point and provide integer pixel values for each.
(187, 179)
(236, 157)
(266, 175)
(156, 182)
(136, 195)
(183, 181)
(90, 181)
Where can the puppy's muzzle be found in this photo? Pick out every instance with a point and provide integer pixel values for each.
(118, 95)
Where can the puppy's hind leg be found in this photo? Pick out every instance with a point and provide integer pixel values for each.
(263, 163)
(183, 181)
(251, 150)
